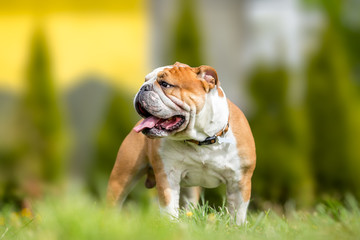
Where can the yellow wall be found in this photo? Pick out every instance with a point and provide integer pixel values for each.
(113, 44)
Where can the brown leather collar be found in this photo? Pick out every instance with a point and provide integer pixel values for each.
(210, 140)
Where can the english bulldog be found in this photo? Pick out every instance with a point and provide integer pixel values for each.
(191, 135)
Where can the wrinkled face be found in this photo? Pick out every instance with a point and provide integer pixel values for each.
(171, 97)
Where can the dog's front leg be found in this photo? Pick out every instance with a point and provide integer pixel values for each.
(168, 187)
(167, 181)
(128, 168)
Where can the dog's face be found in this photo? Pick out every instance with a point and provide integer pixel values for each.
(171, 97)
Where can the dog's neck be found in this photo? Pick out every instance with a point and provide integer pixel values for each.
(212, 118)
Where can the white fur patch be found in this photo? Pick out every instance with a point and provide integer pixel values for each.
(206, 166)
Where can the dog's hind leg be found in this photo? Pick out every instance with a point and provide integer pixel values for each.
(238, 196)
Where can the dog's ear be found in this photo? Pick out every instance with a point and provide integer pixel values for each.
(208, 74)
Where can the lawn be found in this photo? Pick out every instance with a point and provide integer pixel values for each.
(76, 216)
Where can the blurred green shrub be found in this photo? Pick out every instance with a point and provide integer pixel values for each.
(311, 151)
(281, 136)
(334, 114)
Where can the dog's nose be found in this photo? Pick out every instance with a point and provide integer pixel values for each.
(146, 87)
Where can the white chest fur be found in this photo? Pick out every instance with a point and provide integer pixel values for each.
(207, 166)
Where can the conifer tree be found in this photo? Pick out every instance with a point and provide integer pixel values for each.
(41, 120)
(187, 37)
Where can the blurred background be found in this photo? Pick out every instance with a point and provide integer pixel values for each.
(69, 71)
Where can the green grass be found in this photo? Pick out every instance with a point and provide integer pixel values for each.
(77, 217)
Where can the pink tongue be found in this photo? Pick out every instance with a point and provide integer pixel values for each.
(149, 122)
(171, 122)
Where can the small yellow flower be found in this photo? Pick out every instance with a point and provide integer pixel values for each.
(211, 217)
(25, 212)
(2, 221)
(189, 214)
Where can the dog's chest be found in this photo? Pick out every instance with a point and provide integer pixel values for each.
(206, 166)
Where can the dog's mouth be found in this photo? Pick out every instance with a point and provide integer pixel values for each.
(152, 122)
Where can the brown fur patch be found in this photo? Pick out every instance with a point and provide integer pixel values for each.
(220, 92)
(187, 86)
(245, 186)
(246, 148)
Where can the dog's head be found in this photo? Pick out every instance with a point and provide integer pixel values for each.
(172, 97)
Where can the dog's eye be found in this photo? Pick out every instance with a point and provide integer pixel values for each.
(165, 84)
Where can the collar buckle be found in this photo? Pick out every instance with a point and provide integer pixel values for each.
(209, 141)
